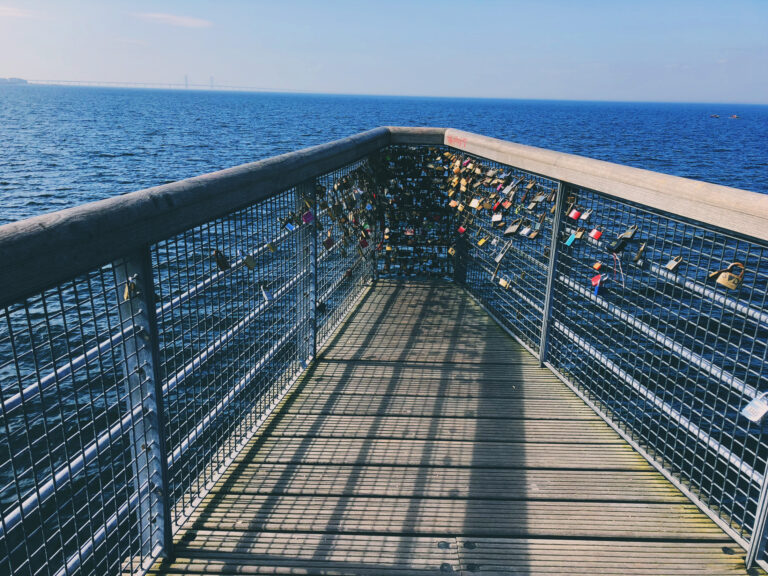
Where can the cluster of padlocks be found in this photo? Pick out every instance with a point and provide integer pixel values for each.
(415, 208)
(520, 205)
(416, 226)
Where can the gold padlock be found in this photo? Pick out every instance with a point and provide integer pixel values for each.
(728, 278)
(673, 264)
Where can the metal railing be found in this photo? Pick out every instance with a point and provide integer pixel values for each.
(144, 338)
(609, 275)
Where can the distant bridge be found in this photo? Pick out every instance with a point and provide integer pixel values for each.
(162, 85)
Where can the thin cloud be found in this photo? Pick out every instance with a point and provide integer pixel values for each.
(173, 20)
(13, 12)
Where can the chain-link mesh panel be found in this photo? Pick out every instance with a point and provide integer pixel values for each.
(74, 479)
(234, 317)
(644, 323)
(348, 208)
(502, 237)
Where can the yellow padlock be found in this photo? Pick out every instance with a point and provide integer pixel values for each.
(729, 279)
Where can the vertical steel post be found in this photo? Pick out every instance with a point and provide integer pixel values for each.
(135, 293)
(551, 270)
(309, 190)
(757, 542)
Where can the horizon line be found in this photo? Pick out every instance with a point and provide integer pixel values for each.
(199, 87)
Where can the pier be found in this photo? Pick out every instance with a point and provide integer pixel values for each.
(414, 350)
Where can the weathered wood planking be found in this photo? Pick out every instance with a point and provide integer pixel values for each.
(409, 448)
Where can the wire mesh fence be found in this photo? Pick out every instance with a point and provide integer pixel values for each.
(661, 322)
(676, 347)
(126, 391)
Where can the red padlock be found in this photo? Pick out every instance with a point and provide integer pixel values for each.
(574, 214)
(595, 234)
(596, 280)
(462, 229)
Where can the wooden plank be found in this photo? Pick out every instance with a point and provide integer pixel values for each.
(446, 482)
(545, 556)
(231, 552)
(441, 516)
(388, 405)
(444, 453)
(446, 428)
(444, 388)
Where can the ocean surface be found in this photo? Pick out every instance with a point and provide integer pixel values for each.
(64, 146)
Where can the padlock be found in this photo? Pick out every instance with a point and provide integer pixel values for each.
(617, 245)
(596, 280)
(532, 205)
(530, 185)
(452, 251)
(250, 262)
(504, 282)
(307, 217)
(453, 203)
(500, 256)
(629, 233)
(673, 263)
(221, 260)
(328, 243)
(597, 265)
(579, 233)
(639, 254)
(595, 234)
(514, 227)
(571, 239)
(729, 279)
(482, 241)
(475, 203)
(498, 217)
(526, 229)
(363, 243)
(462, 229)
(586, 214)
(574, 214)
(131, 289)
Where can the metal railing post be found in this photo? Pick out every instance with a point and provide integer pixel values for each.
(757, 542)
(551, 271)
(309, 190)
(135, 292)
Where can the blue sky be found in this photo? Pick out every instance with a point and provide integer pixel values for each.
(673, 50)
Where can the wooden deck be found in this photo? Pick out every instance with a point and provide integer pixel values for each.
(426, 440)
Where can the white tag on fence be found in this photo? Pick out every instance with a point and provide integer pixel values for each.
(756, 409)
